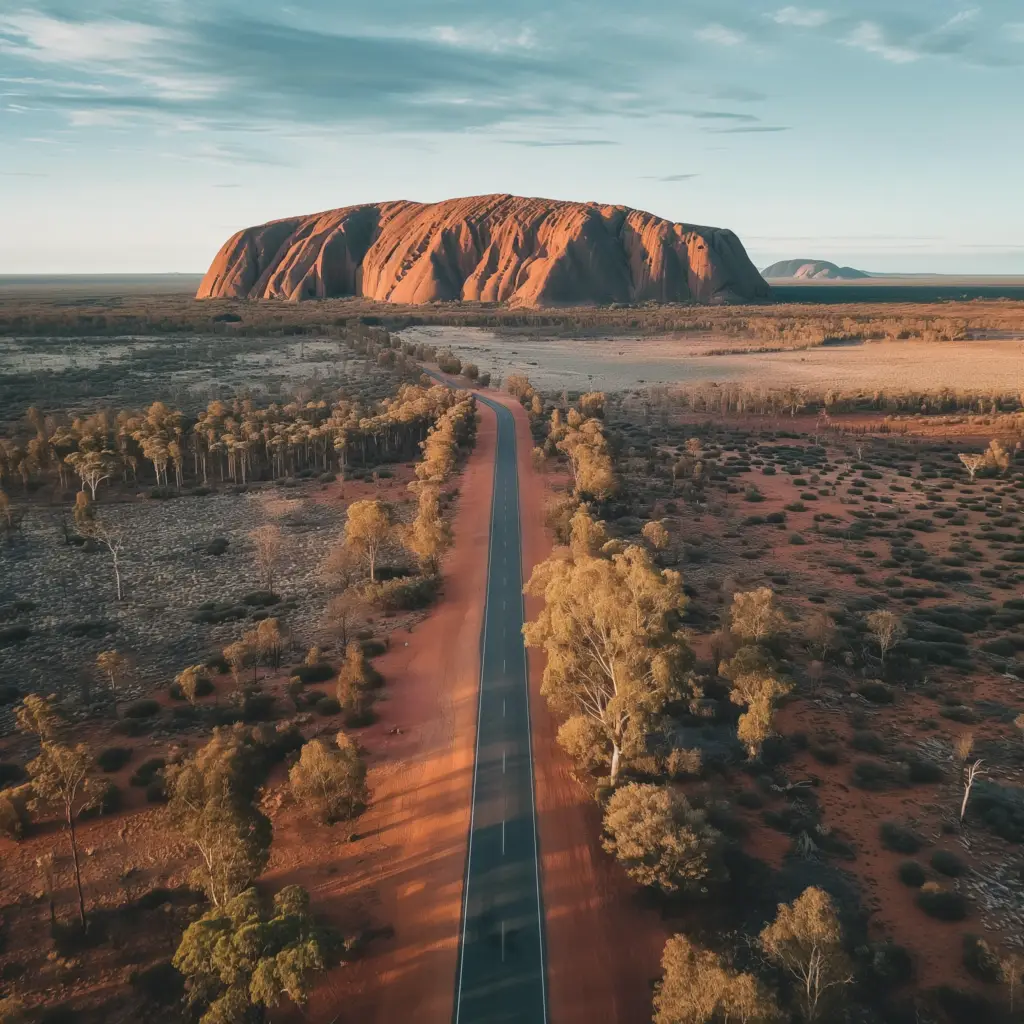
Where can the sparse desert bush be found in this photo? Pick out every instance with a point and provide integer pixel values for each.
(328, 706)
(824, 753)
(999, 808)
(867, 742)
(948, 863)
(921, 770)
(318, 672)
(888, 964)
(11, 635)
(981, 959)
(899, 838)
(147, 772)
(942, 904)
(145, 708)
(877, 693)
(112, 759)
(14, 811)
(403, 594)
(873, 775)
(329, 780)
(911, 873)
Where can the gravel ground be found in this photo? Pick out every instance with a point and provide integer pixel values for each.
(167, 574)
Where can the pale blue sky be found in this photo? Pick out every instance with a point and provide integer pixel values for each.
(889, 135)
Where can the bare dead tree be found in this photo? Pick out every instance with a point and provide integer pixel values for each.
(971, 772)
(972, 463)
(114, 543)
(268, 543)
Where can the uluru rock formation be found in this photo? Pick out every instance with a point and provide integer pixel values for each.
(497, 248)
(812, 270)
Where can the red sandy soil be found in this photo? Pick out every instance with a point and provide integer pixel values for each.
(406, 868)
(395, 874)
(854, 813)
(602, 949)
(857, 814)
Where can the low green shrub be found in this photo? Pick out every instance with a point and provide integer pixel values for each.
(911, 873)
(981, 959)
(867, 742)
(942, 904)
(318, 673)
(899, 838)
(11, 635)
(112, 759)
(145, 708)
(147, 771)
(403, 594)
(14, 811)
(948, 863)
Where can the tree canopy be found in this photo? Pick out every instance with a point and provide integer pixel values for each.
(661, 840)
(609, 629)
(697, 987)
(241, 959)
(211, 805)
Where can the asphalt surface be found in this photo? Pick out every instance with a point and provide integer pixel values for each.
(500, 975)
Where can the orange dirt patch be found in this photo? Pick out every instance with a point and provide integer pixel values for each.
(404, 868)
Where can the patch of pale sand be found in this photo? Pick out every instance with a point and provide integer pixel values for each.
(624, 363)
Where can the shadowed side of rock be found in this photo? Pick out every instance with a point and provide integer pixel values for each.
(495, 248)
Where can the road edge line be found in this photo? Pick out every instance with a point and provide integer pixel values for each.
(476, 750)
(529, 734)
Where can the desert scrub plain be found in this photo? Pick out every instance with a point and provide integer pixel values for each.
(815, 760)
(850, 718)
(192, 599)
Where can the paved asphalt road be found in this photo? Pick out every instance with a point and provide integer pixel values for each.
(500, 976)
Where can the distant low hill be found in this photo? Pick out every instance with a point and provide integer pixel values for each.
(811, 270)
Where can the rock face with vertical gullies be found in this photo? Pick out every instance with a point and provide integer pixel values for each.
(498, 248)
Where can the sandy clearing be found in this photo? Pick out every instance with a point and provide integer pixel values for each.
(406, 869)
(621, 363)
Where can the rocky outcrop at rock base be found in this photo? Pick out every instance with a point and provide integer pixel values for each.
(496, 248)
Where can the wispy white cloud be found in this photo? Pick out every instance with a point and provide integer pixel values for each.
(749, 129)
(557, 143)
(112, 48)
(962, 16)
(56, 41)
(720, 35)
(96, 117)
(493, 40)
(718, 115)
(870, 37)
(801, 17)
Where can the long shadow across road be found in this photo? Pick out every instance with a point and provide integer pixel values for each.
(500, 977)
